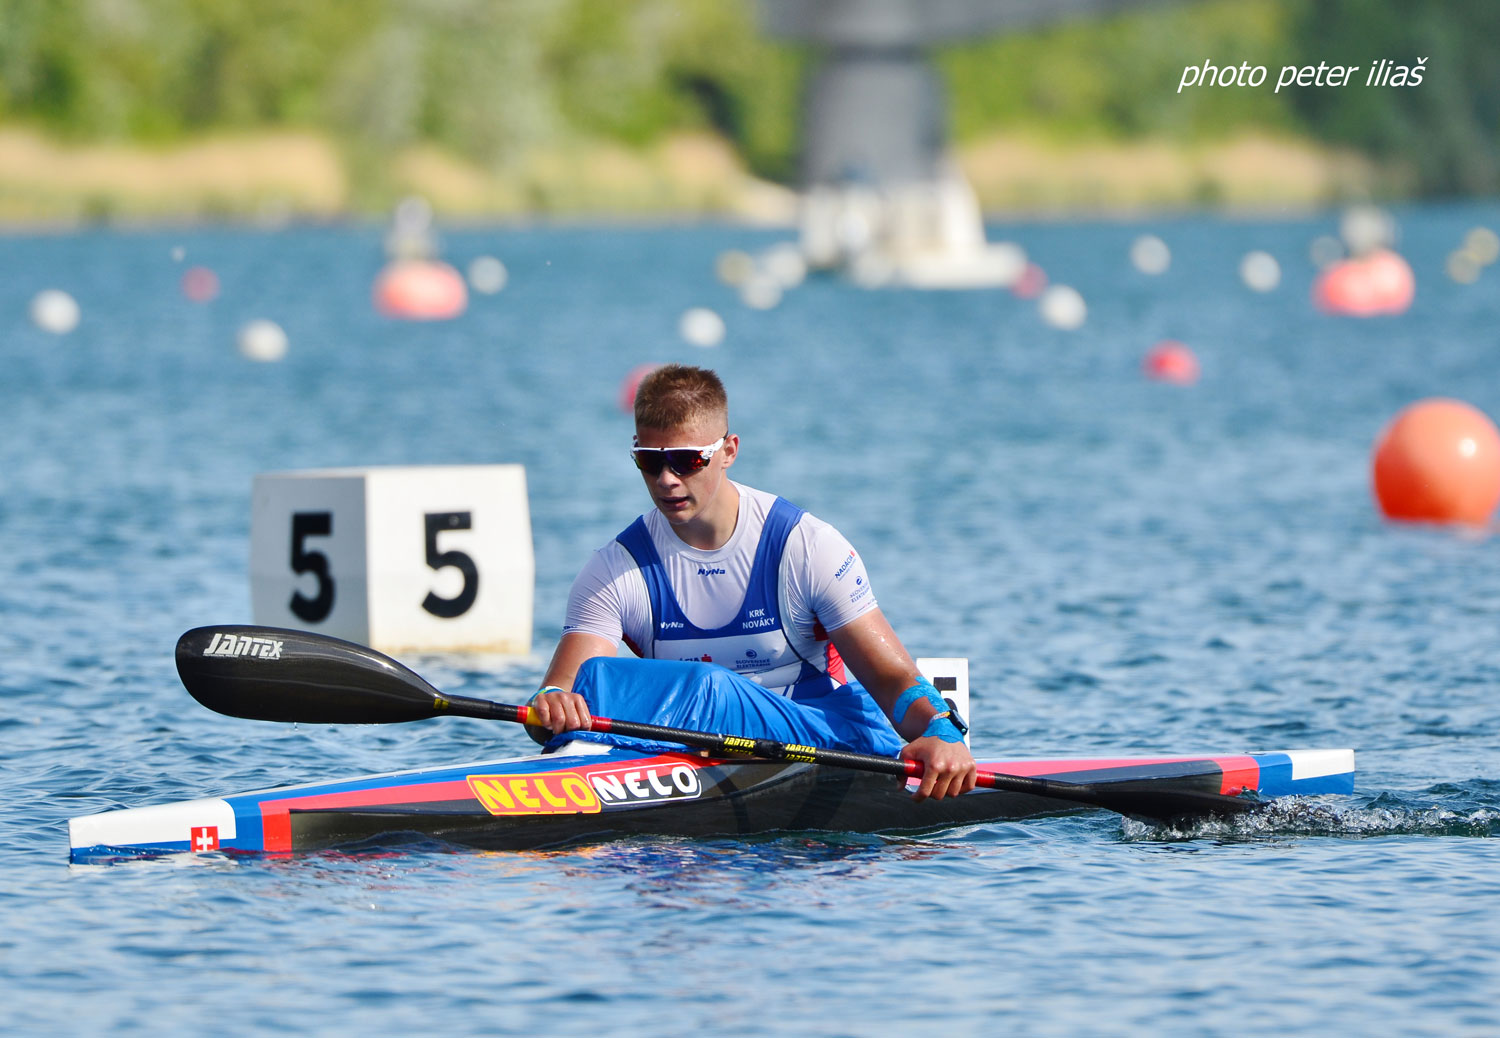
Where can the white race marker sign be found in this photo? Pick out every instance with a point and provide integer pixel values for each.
(399, 558)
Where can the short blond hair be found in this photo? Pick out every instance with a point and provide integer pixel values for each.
(675, 395)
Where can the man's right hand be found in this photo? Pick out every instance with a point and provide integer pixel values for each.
(559, 711)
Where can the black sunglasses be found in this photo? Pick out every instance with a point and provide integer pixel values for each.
(682, 460)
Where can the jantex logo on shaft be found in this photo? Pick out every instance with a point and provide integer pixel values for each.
(243, 645)
(586, 792)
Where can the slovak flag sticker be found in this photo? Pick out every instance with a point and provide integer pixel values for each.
(205, 838)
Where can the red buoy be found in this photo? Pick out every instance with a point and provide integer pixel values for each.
(1171, 361)
(1438, 461)
(1031, 282)
(200, 284)
(1380, 283)
(420, 290)
(631, 383)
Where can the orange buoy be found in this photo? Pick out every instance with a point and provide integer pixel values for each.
(631, 383)
(200, 284)
(1380, 283)
(420, 290)
(1438, 461)
(1171, 361)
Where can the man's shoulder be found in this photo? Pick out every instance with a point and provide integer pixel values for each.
(762, 501)
(608, 560)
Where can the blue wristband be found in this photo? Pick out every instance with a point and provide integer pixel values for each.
(923, 689)
(943, 728)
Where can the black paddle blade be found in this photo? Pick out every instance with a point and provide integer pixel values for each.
(271, 674)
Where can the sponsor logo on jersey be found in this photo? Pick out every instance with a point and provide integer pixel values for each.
(670, 625)
(749, 664)
(243, 645)
(560, 793)
(861, 589)
(710, 571)
(845, 567)
(645, 783)
(750, 654)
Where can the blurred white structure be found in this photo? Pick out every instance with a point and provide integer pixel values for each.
(882, 199)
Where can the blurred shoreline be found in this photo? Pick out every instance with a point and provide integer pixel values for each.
(274, 178)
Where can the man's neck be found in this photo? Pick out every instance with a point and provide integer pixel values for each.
(714, 527)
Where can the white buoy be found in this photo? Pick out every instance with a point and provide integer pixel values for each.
(1462, 267)
(1483, 245)
(1259, 271)
(734, 267)
(700, 326)
(760, 291)
(488, 275)
(262, 340)
(178, 253)
(1150, 255)
(784, 262)
(1062, 307)
(54, 311)
(1366, 228)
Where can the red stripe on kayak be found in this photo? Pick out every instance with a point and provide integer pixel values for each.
(1240, 774)
(1237, 773)
(276, 822)
(1059, 767)
(275, 830)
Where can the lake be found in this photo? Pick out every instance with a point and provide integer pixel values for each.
(1130, 567)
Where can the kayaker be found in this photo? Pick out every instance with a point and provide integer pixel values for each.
(751, 616)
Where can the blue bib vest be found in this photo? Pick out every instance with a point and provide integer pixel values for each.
(754, 643)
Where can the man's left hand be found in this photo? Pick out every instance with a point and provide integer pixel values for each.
(948, 768)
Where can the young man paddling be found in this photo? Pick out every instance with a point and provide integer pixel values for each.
(755, 610)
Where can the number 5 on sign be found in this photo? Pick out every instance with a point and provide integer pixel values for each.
(435, 557)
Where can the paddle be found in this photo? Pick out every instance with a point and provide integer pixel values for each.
(271, 674)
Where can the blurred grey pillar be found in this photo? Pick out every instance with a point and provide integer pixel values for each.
(873, 116)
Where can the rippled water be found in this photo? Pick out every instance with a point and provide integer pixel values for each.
(1130, 567)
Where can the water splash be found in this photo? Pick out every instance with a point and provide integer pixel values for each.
(1386, 815)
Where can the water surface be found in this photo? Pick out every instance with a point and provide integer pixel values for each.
(1129, 566)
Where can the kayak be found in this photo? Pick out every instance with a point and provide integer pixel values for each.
(587, 792)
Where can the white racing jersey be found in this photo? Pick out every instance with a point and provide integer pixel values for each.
(761, 605)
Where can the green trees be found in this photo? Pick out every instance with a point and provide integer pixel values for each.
(490, 79)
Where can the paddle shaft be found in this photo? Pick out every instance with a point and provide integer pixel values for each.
(276, 674)
(770, 749)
